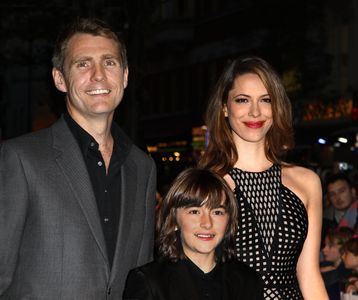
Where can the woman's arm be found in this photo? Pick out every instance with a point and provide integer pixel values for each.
(308, 188)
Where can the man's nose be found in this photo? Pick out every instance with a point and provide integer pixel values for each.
(99, 73)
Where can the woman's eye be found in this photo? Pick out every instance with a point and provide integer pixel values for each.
(241, 100)
(193, 211)
(266, 100)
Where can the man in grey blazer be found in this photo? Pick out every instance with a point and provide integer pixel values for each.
(77, 199)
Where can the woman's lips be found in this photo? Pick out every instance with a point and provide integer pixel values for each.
(254, 124)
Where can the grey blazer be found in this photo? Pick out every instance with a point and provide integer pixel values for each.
(51, 240)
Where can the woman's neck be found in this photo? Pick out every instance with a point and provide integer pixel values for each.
(252, 157)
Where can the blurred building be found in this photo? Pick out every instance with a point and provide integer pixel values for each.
(312, 44)
(177, 49)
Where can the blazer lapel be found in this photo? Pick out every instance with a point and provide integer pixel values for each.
(70, 160)
(128, 199)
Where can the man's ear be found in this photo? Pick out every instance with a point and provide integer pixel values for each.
(125, 78)
(59, 80)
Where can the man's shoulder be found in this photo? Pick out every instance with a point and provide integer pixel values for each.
(39, 137)
(28, 139)
(139, 153)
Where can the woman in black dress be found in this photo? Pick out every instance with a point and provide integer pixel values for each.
(249, 121)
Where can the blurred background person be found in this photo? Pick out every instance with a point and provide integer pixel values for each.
(350, 259)
(332, 269)
(344, 203)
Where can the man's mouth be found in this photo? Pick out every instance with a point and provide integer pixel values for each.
(98, 92)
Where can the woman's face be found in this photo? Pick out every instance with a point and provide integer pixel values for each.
(249, 109)
(201, 230)
(331, 251)
(350, 260)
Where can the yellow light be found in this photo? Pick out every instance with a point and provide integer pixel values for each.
(171, 158)
(152, 149)
(176, 154)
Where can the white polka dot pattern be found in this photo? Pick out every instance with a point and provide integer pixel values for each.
(272, 229)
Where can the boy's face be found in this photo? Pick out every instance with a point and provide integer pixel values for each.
(331, 251)
(201, 229)
(350, 260)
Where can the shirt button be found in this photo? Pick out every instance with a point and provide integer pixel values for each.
(100, 163)
(105, 191)
(92, 144)
(105, 220)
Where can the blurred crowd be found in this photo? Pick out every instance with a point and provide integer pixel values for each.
(339, 247)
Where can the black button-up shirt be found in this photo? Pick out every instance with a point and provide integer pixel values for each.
(106, 186)
(209, 284)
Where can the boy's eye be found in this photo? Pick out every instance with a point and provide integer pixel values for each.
(219, 212)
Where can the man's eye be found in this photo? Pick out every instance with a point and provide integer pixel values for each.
(82, 64)
(110, 62)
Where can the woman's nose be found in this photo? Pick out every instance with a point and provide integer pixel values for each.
(254, 110)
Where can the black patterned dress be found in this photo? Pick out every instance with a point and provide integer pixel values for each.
(272, 226)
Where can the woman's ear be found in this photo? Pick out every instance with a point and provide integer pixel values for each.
(59, 80)
(225, 110)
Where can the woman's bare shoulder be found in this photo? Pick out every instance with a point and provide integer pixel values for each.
(299, 172)
(230, 182)
(305, 183)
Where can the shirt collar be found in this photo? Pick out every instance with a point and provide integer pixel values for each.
(121, 145)
(194, 269)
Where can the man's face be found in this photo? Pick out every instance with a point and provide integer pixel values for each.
(94, 78)
(340, 194)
